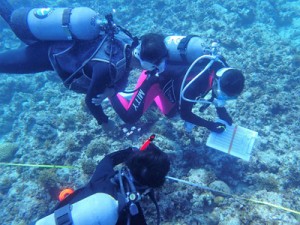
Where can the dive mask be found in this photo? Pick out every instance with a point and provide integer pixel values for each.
(220, 95)
(149, 65)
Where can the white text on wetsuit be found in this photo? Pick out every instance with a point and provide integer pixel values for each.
(138, 99)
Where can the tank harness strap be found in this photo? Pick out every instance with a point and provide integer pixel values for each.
(66, 18)
(63, 215)
(182, 46)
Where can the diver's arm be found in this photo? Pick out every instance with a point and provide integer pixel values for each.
(197, 88)
(100, 81)
(121, 155)
(107, 164)
(187, 115)
(224, 115)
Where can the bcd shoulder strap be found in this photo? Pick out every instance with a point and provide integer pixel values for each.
(182, 46)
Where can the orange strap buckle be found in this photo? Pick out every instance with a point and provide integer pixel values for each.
(65, 193)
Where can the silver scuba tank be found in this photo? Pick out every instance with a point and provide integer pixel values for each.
(54, 24)
(185, 48)
(99, 208)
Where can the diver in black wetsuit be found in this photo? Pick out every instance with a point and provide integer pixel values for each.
(144, 170)
(224, 82)
(174, 88)
(90, 58)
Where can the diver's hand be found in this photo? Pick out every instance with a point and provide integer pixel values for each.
(100, 97)
(217, 127)
(98, 100)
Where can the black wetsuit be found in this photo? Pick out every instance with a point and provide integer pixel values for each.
(101, 183)
(199, 89)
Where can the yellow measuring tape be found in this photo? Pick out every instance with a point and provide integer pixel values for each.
(268, 204)
(234, 196)
(38, 165)
(170, 178)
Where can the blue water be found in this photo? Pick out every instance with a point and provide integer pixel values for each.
(51, 125)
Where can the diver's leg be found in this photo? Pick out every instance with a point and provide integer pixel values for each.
(28, 59)
(165, 106)
(129, 113)
(141, 100)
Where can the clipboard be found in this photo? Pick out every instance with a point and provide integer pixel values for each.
(235, 140)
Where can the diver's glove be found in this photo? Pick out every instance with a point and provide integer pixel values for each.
(216, 127)
(223, 115)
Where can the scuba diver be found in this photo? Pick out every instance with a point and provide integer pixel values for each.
(184, 75)
(112, 197)
(90, 56)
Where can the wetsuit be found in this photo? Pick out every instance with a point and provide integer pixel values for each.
(165, 91)
(88, 67)
(101, 182)
(147, 90)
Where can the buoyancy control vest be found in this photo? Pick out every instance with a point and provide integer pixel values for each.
(117, 53)
(69, 59)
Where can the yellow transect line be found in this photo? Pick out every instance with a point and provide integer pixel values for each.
(170, 178)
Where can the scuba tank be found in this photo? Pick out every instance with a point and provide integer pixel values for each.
(55, 24)
(98, 208)
(185, 48)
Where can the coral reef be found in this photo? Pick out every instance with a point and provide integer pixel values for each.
(44, 123)
(7, 151)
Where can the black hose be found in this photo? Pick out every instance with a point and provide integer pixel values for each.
(152, 197)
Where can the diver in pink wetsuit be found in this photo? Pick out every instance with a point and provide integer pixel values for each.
(185, 73)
